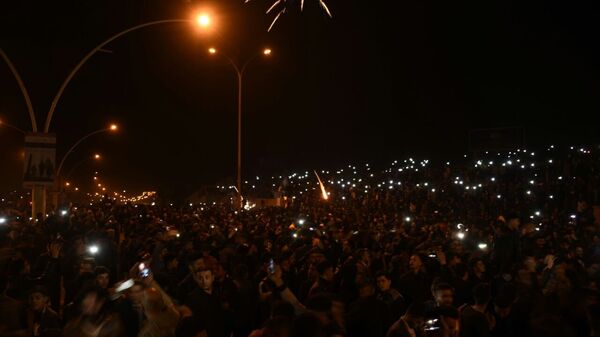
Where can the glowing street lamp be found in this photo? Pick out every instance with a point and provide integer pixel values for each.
(240, 69)
(203, 20)
(96, 156)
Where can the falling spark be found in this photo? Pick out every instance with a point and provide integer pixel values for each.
(275, 20)
(273, 6)
(323, 191)
(284, 5)
(322, 3)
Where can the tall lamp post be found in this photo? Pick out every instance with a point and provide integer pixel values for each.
(240, 70)
(38, 193)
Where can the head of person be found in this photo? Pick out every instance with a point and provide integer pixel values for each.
(196, 263)
(477, 266)
(443, 293)
(86, 266)
(364, 256)
(205, 279)
(325, 269)
(366, 289)
(102, 277)
(415, 263)
(384, 281)
(171, 261)
(502, 305)
(136, 292)
(513, 222)
(482, 294)
(38, 299)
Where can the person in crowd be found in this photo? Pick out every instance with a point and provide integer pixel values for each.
(325, 282)
(474, 318)
(206, 307)
(44, 321)
(368, 316)
(96, 319)
(390, 296)
(102, 277)
(416, 282)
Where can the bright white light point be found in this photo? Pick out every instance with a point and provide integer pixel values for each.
(551, 197)
(499, 196)
(295, 235)
(537, 213)
(63, 212)
(482, 245)
(433, 190)
(93, 249)
(301, 222)
(573, 216)
(460, 235)
(537, 229)
(528, 192)
(560, 178)
(532, 182)
(3, 220)
(407, 218)
(493, 179)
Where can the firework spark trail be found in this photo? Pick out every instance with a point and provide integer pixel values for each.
(273, 6)
(323, 191)
(275, 20)
(284, 4)
(322, 3)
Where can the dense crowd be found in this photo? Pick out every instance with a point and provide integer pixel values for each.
(501, 245)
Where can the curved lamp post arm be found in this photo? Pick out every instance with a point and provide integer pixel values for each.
(62, 162)
(90, 54)
(12, 127)
(23, 91)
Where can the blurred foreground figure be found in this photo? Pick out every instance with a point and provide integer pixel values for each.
(96, 319)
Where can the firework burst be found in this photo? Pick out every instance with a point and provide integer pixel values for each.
(280, 7)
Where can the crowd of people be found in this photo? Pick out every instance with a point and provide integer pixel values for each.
(506, 244)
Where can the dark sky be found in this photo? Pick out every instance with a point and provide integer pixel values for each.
(373, 83)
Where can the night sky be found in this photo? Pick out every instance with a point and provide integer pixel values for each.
(371, 84)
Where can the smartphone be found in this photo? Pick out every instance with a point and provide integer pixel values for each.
(144, 271)
(271, 266)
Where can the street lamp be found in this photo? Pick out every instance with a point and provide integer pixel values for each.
(240, 75)
(111, 128)
(96, 157)
(203, 20)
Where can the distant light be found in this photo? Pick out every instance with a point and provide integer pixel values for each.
(63, 212)
(407, 219)
(267, 51)
(3, 221)
(113, 127)
(460, 235)
(93, 249)
(212, 50)
(295, 235)
(528, 192)
(573, 216)
(482, 246)
(537, 213)
(301, 222)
